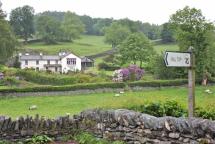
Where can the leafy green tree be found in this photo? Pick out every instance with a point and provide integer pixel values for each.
(167, 34)
(7, 39)
(88, 22)
(48, 29)
(1, 12)
(72, 26)
(22, 21)
(115, 34)
(133, 26)
(136, 47)
(192, 29)
(100, 25)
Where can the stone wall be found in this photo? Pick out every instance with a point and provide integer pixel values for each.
(129, 126)
(70, 93)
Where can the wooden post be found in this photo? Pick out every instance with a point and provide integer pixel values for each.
(191, 85)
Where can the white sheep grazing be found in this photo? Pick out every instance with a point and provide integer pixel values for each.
(33, 107)
(67, 114)
(117, 95)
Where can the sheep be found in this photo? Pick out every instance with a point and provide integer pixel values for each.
(33, 107)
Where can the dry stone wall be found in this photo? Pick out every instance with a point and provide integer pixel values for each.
(129, 126)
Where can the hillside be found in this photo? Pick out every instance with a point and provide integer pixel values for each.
(163, 47)
(86, 45)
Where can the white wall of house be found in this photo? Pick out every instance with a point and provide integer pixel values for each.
(33, 64)
(63, 62)
(66, 67)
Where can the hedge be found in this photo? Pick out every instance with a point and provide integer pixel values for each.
(42, 78)
(158, 83)
(93, 86)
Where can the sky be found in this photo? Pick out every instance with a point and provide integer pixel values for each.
(152, 11)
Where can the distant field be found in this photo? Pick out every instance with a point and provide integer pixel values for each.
(87, 45)
(52, 106)
(163, 47)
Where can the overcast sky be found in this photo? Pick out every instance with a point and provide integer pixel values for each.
(153, 11)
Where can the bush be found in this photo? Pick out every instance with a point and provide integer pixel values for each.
(106, 66)
(86, 138)
(44, 78)
(172, 108)
(43, 139)
(160, 70)
(208, 113)
(10, 81)
(169, 108)
(131, 73)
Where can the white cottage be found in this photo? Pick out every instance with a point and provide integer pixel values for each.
(63, 62)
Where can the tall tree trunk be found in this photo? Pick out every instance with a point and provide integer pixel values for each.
(141, 62)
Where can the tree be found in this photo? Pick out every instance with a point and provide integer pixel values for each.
(167, 34)
(115, 34)
(88, 22)
(7, 39)
(1, 12)
(192, 29)
(49, 29)
(100, 25)
(22, 22)
(136, 47)
(72, 26)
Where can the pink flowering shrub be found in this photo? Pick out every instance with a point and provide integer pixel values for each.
(131, 73)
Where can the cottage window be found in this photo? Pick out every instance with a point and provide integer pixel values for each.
(71, 61)
(48, 61)
(26, 62)
(37, 62)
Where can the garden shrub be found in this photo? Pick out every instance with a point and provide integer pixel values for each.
(107, 66)
(57, 79)
(10, 81)
(87, 138)
(155, 109)
(168, 108)
(44, 78)
(208, 113)
(38, 139)
(160, 70)
(172, 108)
(132, 73)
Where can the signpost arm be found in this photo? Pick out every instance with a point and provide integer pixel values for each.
(191, 85)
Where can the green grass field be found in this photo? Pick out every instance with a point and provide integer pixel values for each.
(52, 106)
(163, 47)
(86, 45)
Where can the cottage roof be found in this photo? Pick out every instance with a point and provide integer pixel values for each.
(86, 59)
(39, 57)
(44, 57)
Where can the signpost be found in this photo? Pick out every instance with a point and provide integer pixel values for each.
(184, 59)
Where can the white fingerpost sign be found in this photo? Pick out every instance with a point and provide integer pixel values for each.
(177, 59)
(184, 59)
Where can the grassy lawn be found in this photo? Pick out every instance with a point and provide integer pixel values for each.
(52, 106)
(163, 47)
(86, 45)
